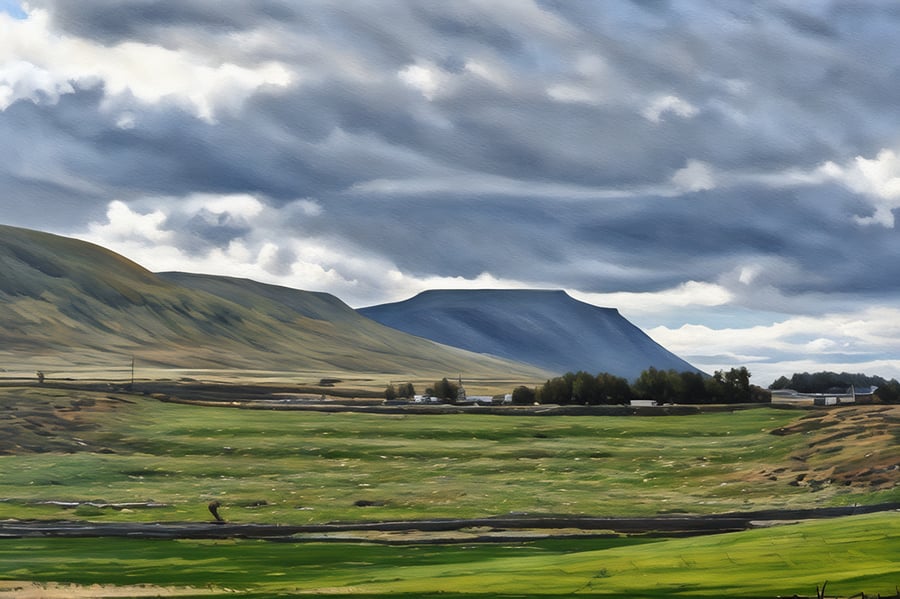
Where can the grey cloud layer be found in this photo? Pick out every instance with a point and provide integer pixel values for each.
(582, 95)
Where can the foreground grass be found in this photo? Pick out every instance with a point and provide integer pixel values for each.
(306, 467)
(855, 554)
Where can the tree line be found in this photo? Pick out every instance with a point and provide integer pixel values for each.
(663, 386)
(443, 390)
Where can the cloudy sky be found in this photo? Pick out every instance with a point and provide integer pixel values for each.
(727, 174)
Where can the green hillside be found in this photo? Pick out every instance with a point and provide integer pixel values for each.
(70, 303)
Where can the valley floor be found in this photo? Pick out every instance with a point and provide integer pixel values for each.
(107, 459)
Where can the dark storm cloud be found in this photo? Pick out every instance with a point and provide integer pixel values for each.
(524, 134)
(38, 203)
(485, 234)
(39, 172)
(203, 230)
(146, 20)
(166, 153)
(586, 95)
(666, 240)
(724, 230)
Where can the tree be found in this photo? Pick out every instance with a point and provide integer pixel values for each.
(390, 392)
(582, 387)
(444, 389)
(556, 390)
(662, 385)
(760, 395)
(585, 388)
(889, 392)
(406, 390)
(523, 396)
(781, 382)
(613, 389)
(693, 388)
(732, 386)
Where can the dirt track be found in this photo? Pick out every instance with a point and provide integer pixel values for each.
(504, 528)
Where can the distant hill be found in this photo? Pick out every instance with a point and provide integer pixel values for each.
(548, 329)
(68, 302)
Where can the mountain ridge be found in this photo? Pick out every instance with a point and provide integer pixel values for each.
(546, 328)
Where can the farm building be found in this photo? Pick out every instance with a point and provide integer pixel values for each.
(834, 397)
(644, 403)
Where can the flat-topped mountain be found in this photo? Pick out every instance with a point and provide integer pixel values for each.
(64, 301)
(548, 329)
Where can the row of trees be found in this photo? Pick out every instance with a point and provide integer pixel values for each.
(724, 386)
(443, 389)
(663, 386)
(401, 391)
(583, 388)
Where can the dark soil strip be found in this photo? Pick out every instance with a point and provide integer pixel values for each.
(271, 397)
(667, 525)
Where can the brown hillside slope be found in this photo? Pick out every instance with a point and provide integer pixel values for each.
(65, 301)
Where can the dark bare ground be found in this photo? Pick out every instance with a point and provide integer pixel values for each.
(499, 528)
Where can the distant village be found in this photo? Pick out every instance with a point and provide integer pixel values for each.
(832, 397)
(455, 393)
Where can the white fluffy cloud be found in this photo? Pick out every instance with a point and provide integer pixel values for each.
(573, 94)
(39, 64)
(242, 205)
(856, 341)
(878, 179)
(405, 285)
(663, 105)
(125, 225)
(426, 78)
(691, 293)
(695, 176)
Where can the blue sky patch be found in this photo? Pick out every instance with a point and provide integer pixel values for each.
(13, 8)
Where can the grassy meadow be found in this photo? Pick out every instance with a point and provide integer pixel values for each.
(61, 448)
(854, 554)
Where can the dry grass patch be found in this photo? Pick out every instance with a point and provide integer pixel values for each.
(23, 589)
(855, 447)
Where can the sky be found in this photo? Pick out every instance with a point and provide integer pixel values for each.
(725, 173)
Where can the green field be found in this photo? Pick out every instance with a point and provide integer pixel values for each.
(308, 467)
(855, 554)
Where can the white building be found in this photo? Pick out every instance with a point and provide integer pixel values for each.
(849, 396)
(644, 403)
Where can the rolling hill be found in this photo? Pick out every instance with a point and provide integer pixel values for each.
(548, 329)
(72, 303)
